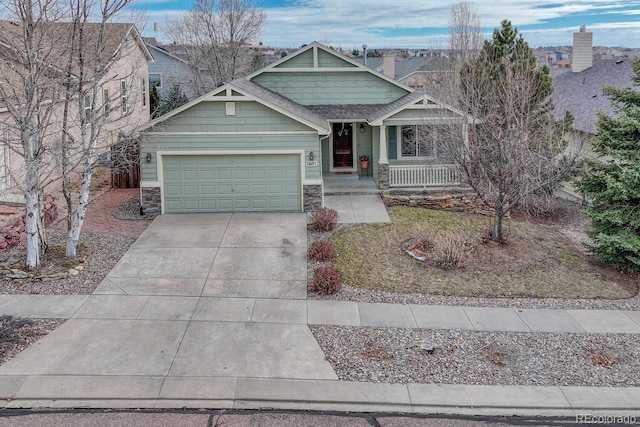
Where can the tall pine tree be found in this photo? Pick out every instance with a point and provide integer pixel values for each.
(512, 158)
(612, 181)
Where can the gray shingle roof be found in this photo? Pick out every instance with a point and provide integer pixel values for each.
(285, 104)
(346, 112)
(581, 93)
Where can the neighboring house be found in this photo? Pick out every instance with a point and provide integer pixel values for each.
(416, 72)
(265, 142)
(123, 98)
(167, 70)
(580, 91)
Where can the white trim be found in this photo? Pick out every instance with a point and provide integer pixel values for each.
(399, 155)
(160, 166)
(312, 182)
(292, 132)
(149, 184)
(233, 98)
(316, 69)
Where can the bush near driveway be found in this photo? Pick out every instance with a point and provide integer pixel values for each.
(536, 261)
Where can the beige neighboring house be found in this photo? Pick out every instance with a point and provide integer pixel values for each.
(122, 101)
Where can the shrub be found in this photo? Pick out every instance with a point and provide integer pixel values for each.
(324, 219)
(320, 251)
(450, 250)
(446, 250)
(326, 280)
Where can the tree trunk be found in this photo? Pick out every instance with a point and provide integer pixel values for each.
(74, 233)
(31, 229)
(496, 235)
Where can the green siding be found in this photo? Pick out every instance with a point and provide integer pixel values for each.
(303, 60)
(231, 183)
(210, 116)
(318, 88)
(185, 143)
(392, 141)
(364, 147)
(327, 60)
(326, 158)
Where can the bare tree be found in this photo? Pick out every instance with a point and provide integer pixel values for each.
(515, 151)
(29, 93)
(465, 33)
(216, 36)
(95, 49)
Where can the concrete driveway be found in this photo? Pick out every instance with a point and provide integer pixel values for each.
(195, 297)
(225, 255)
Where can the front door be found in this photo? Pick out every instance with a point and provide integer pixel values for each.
(342, 145)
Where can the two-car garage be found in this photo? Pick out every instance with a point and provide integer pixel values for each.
(232, 182)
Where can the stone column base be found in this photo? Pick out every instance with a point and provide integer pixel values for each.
(151, 201)
(383, 176)
(312, 197)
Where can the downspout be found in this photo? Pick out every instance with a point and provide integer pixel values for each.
(321, 162)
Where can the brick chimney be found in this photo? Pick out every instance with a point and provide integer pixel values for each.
(389, 65)
(582, 50)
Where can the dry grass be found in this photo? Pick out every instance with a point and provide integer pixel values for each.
(536, 261)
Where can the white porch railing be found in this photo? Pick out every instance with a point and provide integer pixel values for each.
(422, 175)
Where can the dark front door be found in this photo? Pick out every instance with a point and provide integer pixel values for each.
(342, 145)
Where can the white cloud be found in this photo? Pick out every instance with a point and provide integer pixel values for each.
(411, 23)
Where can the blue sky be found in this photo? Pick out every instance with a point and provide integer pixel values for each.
(423, 23)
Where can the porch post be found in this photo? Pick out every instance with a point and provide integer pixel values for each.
(384, 157)
(383, 161)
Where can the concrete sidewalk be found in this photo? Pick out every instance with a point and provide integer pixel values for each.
(318, 312)
(166, 339)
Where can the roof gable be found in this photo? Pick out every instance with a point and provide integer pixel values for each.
(244, 90)
(417, 101)
(316, 57)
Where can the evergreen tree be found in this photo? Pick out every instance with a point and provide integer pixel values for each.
(154, 101)
(612, 181)
(173, 99)
(514, 143)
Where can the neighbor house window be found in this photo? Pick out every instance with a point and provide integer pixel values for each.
(123, 95)
(155, 79)
(417, 141)
(144, 92)
(106, 102)
(87, 105)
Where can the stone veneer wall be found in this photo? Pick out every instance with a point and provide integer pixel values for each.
(151, 201)
(383, 176)
(463, 202)
(312, 197)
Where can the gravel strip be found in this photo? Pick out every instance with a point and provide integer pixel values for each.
(106, 252)
(387, 355)
(18, 333)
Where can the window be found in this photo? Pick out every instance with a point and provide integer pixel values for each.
(123, 95)
(87, 105)
(417, 141)
(106, 102)
(155, 79)
(144, 92)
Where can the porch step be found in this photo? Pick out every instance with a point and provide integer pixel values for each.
(353, 185)
(348, 192)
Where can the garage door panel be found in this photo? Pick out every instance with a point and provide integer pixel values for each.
(242, 174)
(226, 183)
